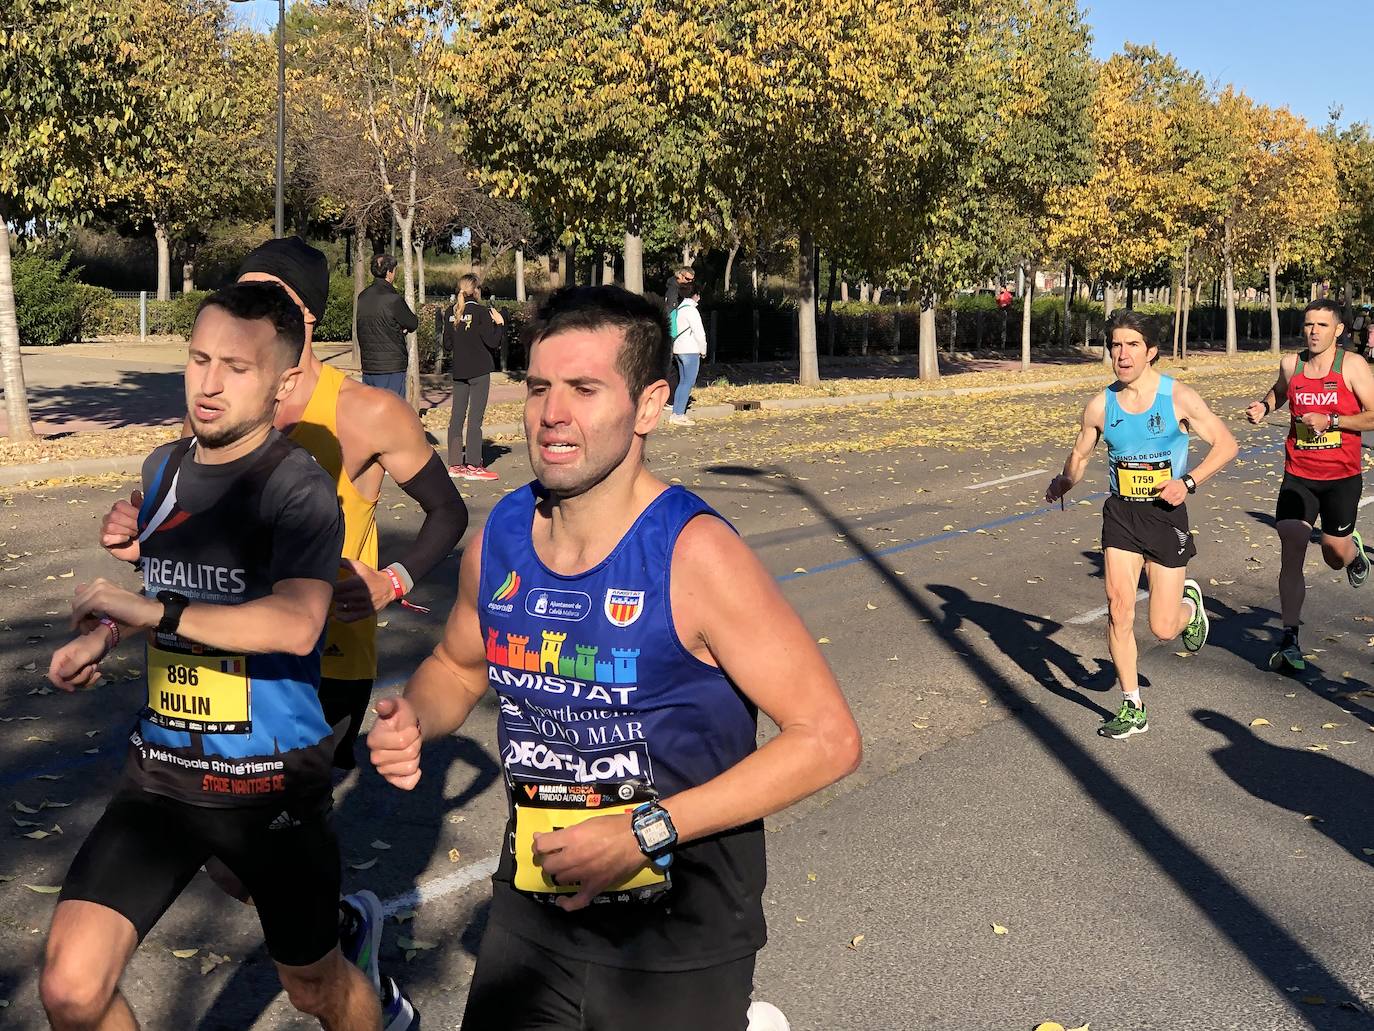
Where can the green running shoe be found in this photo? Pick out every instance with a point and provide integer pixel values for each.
(1129, 719)
(1195, 633)
(1358, 570)
(1290, 656)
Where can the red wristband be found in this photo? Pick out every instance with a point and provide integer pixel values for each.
(397, 587)
(106, 621)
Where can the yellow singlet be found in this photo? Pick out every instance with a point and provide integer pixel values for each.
(350, 649)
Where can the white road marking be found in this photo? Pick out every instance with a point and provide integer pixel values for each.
(1083, 618)
(1366, 501)
(432, 891)
(1006, 479)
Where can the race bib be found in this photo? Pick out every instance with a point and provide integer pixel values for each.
(1141, 481)
(540, 808)
(199, 694)
(1309, 439)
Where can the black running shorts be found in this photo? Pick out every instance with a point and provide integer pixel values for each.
(145, 849)
(1335, 502)
(519, 986)
(1149, 528)
(345, 704)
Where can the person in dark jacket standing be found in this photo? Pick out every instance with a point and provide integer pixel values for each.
(473, 337)
(384, 319)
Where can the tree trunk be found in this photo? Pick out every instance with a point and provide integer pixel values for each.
(953, 328)
(360, 260)
(1186, 298)
(164, 262)
(844, 292)
(1066, 330)
(927, 347)
(569, 265)
(1026, 298)
(407, 225)
(808, 365)
(830, 314)
(1229, 273)
(730, 266)
(1275, 334)
(520, 273)
(1108, 306)
(1178, 311)
(634, 262)
(188, 275)
(420, 290)
(16, 394)
(475, 257)
(607, 268)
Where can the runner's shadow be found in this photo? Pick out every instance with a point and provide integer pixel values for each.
(1028, 641)
(415, 823)
(1313, 784)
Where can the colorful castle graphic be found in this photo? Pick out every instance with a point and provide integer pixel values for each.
(549, 658)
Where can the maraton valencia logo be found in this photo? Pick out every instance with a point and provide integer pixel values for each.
(509, 588)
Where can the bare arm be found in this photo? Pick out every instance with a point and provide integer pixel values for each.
(1192, 409)
(1277, 396)
(1361, 382)
(721, 594)
(1089, 432)
(290, 619)
(442, 692)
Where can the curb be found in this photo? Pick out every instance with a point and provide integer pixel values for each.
(10, 475)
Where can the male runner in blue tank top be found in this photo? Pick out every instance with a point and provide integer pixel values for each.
(1145, 418)
(631, 637)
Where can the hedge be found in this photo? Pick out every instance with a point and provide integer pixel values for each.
(49, 299)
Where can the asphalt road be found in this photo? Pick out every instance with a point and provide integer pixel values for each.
(1206, 875)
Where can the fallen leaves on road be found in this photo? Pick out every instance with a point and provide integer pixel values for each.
(1260, 721)
(184, 953)
(368, 865)
(999, 929)
(855, 942)
(209, 961)
(44, 889)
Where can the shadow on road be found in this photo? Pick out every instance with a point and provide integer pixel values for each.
(1271, 949)
(1338, 799)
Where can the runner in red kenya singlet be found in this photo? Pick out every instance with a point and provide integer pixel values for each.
(1331, 397)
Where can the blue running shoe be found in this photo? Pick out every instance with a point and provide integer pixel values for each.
(398, 1012)
(360, 934)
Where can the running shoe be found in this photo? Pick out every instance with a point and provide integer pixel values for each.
(1289, 655)
(1129, 719)
(764, 1016)
(1195, 633)
(481, 472)
(681, 420)
(1358, 570)
(458, 472)
(360, 934)
(398, 1012)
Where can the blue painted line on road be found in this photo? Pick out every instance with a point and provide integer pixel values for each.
(937, 538)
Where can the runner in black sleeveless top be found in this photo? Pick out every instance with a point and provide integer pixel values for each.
(240, 536)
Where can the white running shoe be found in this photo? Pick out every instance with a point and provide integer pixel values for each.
(764, 1016)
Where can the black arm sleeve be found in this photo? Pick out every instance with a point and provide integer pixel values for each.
(446, 518)
(404, 317)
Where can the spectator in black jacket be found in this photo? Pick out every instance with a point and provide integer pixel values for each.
(474, 337)
(384, 319)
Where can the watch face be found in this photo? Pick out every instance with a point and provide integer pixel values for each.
(654, 833)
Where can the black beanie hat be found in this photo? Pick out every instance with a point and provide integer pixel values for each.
(296, 263)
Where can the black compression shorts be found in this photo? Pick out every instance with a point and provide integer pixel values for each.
(1336, 502)
(518, 986)
(1148, 528)
(345, 704)
(145, 849)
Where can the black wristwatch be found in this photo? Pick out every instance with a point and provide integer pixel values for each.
(173, 605)
(655, 833)
(1190, 483)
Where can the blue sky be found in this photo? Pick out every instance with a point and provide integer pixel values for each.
(1304, 56)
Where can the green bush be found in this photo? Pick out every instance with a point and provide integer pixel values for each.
(337, 323)
(48, 299)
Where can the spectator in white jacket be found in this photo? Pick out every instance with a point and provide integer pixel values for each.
(689, 347)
